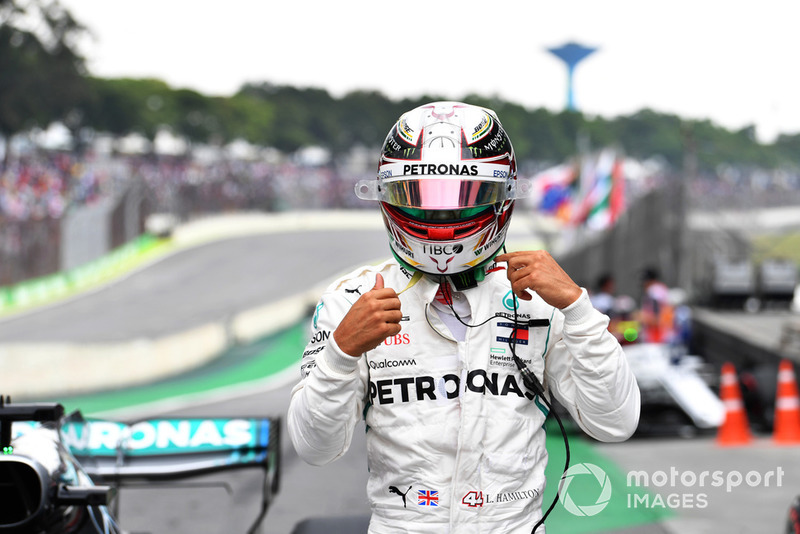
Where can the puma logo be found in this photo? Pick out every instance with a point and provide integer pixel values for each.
(356, 290)
(393, 489)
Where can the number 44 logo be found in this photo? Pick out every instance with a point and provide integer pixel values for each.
(473, 499)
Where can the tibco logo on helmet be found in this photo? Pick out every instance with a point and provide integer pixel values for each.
(447, 181)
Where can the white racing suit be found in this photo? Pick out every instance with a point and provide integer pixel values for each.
(455, 440)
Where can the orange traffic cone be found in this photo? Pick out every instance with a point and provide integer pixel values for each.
(735, 430)
(787, 407)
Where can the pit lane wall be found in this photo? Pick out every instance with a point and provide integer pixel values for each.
(31, 370)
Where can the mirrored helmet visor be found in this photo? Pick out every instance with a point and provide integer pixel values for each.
(438, 193)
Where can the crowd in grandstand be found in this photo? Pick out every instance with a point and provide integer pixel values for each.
(742, 188)
(44, 184)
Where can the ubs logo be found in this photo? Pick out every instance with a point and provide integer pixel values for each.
(399, 339)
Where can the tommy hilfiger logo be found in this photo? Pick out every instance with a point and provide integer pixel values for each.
(518, 333)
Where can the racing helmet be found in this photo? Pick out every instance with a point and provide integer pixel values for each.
(446, 183)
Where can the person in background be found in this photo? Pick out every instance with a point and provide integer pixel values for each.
(603, 296)
(430, 346)
(618, 308)
(656, 311)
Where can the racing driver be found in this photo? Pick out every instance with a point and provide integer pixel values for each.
(425, 347)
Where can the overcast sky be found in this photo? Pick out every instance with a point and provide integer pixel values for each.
(732, 62)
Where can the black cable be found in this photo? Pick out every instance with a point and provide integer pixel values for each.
(532, 383)
(528, 378)
(449, 301)
(566, 461)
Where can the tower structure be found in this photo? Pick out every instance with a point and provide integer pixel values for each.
(571, 54)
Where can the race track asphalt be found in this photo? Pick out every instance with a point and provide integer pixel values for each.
(210, 282)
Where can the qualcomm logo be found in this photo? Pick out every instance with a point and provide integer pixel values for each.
(579, 470)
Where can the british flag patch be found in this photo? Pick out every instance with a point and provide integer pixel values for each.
(428, 498)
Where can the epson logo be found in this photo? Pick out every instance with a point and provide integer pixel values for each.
(441, 169)
(438, 250)
(322, 335)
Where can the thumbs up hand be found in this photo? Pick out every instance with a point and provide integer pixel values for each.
(375, 316)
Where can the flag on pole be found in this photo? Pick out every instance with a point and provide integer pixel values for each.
(554, 190)
(617, 201)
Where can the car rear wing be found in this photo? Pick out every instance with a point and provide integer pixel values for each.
(156, 449)
(177, 448)
(170, 449)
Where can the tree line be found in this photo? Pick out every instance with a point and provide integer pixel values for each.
(43, 79)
